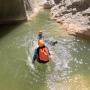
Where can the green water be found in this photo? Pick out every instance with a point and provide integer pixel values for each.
(68, 69)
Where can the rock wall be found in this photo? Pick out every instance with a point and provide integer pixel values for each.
(73, 15)
(48, 4)
(57, 1)
(17, 10)
(12, 10)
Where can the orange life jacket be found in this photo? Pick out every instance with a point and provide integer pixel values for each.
(44, 54)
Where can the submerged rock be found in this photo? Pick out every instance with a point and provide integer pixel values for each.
(73, 15)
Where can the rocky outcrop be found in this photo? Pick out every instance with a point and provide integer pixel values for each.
(74, 16)
(57, 1)
(48, 4)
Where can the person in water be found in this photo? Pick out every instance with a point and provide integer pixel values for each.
(41, 53)
(40, 35)
(38, 54)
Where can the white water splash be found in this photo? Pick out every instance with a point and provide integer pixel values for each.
(29, 62)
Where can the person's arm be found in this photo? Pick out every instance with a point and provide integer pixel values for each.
(34, 56)
(50, 56)
(48, 50)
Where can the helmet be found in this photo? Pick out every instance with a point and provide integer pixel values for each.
(40, 32)
(41, 43)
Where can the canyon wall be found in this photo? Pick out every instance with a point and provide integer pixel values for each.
(17, 10)
(12, 10)
(73, 15)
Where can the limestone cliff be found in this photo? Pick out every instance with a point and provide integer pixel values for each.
(74, 15)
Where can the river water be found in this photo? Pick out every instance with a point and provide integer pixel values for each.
(69, 66)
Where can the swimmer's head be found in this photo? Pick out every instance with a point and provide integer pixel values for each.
(40, 32)
(41, 43)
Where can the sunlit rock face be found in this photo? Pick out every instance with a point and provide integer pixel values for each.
(74, 15)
